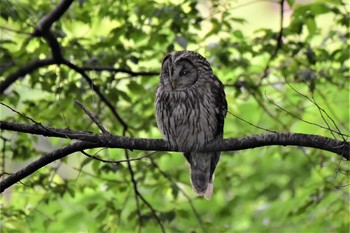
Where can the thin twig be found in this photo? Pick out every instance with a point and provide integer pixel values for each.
(136, 191)
(249, 123)
(275, 118)
(330, 107)
(168, 177)
(38, 124)
(153, 213)
(299, 118)
(98, 176)
(92, 117)
(43, 161)
(139, 195)
(96, 89)
(278, 44)
(21, 114)
(3, 165)
(321, 110)
(118, 161)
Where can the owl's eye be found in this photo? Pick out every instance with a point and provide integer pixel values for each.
(184, 72)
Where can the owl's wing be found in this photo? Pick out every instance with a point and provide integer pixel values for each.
(221, 110)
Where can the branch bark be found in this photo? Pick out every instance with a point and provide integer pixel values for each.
(42, 29)
(113, 141)
(96, 89)
(89, 140)
(46, 22)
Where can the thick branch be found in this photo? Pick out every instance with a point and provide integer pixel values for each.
(89, 140)
(42, 29)
(55, 46)
(46, 22)
(106, 140)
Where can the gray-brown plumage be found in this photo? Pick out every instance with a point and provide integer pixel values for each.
(190, 111)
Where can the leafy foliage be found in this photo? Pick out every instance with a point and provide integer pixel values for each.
(296, 83)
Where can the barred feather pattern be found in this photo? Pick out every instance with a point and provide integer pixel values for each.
(192, 115)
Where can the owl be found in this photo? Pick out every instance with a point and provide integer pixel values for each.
(190, 111)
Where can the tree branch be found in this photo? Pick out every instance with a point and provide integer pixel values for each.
(24, 70)
(46, 22)
(43, 161)
(113, 141)
(174, 184)
(96, 89)
(279, 43)
(92, 117)
(89, 140)
(42, 29)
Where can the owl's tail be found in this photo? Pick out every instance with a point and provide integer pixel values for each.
(202, 167)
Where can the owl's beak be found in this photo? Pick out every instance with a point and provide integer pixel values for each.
(172, 81)
(173, 84)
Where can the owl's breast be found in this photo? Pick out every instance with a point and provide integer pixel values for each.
(186, 120)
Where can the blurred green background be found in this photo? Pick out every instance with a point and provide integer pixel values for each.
(268, 189)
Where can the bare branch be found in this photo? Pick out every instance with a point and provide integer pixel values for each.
(254, 141)
(118, 161)
(107, 140)
(39, 129)
(46, 22)
(92, 117)
(256, 126)
(55, 46)
(278, 44)
(168, 177)
(136, 191)
(42, 29)
(301, 119)
(98, 92)
(21, 114)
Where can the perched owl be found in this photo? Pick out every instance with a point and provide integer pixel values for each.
(190, 111)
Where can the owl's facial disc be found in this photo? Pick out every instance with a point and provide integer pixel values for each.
(182, 75)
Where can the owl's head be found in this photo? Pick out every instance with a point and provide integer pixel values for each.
(182, 69)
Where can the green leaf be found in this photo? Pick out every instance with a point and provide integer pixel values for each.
(311, 26)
